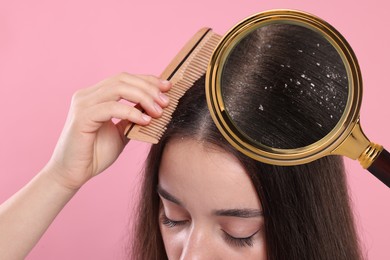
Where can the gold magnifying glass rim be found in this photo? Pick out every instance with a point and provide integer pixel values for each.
(268, 154)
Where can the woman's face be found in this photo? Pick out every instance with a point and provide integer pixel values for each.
(209, 207)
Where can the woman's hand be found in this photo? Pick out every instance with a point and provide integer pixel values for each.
(90, 141)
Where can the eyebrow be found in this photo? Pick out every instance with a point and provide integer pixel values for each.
(166, 195)
(240, 213)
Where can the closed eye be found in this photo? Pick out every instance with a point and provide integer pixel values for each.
(239, 241)
(171, 223)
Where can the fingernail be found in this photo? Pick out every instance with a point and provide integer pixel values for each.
(157, 108)
(164, 98)
(166, 82)
(145, 117)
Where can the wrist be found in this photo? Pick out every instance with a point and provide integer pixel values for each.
(56, 176)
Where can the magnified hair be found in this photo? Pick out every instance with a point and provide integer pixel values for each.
(284, 86)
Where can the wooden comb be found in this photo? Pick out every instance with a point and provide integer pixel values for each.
(187, 67)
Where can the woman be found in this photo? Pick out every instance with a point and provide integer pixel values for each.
(201, 199)
(299, 212)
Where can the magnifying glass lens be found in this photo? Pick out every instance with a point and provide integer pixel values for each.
(284, 86)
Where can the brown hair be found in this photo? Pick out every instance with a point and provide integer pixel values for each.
(306, 208)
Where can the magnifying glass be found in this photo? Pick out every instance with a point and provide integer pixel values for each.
(284, 87)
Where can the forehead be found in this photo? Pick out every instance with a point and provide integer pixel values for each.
(199, 173)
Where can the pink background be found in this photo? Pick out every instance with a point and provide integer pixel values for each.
(49, 49)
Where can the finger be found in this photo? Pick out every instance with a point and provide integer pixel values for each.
(150, 99)
(150, 84)
(142, 81)
(163, 84)
(151, 103)
(104, 112)
(121, 86)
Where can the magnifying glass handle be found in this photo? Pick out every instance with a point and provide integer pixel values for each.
(380, 168)
(372, 157)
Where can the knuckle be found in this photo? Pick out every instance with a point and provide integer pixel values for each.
(151, 78)
(77, 96)
(150, 81)
(123, 76)
(133, 113)
(140, 93)
(146, 98)
(153, 90)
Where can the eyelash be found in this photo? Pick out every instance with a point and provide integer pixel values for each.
(234, 241)
(239, 242)
(171, 223)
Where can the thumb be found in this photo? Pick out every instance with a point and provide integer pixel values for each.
(121, 126)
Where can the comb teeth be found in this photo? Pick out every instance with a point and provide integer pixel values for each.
(187, 67)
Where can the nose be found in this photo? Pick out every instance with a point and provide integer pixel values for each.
(199, 246)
